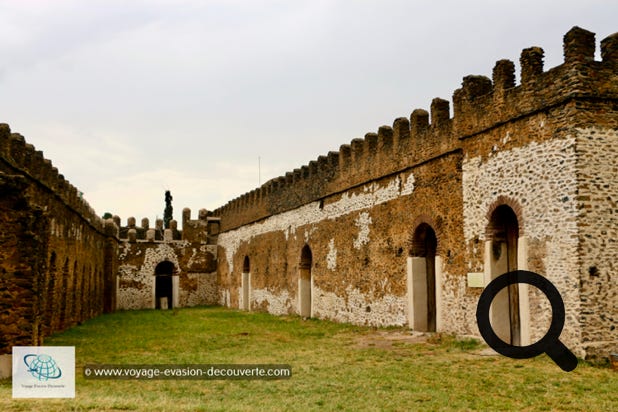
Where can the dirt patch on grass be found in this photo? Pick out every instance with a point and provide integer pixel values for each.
(389, 339)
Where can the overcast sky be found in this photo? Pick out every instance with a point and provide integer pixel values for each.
(129, 98)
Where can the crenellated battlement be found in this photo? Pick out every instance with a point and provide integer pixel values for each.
(390, 149)
(57, 257)
(24, 159)
(403, 226)
(482, 103)
(479, 105)
(204, 229)
(131, 232)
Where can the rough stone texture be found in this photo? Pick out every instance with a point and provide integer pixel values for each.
(545, 148)
(57, 256)
(346, 225)
(541, 179)
(354, 232)
(193, 260)
(22, 266)
(597, 162)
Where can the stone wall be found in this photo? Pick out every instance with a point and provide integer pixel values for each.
(61, 256)
(544, 149)
(597, 168)
(393, 229)
(539, 182)
(22, 265)
(360, 241)
(192, 265)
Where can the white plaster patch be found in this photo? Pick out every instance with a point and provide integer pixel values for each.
(224, 298)
(408, 186)
(126, 271)
(309, 232)
(362, 222)
(240, 299)
(372, 194)
(359, 308)
(331, 256)
(277, 304)
(124, 251)
(506, 138)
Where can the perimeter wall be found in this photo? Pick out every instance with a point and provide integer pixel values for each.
(406, 226)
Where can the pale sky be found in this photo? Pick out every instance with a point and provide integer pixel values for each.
(129, 98)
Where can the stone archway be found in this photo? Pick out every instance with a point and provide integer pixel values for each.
(423, 280)
(304, 282)
(164, 285)
(246, 284)
(502, 249)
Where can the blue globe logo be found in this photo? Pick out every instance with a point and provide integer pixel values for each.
(43, 367)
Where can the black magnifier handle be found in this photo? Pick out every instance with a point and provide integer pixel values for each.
(561, 355)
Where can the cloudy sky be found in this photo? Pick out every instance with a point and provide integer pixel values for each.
(129, 98)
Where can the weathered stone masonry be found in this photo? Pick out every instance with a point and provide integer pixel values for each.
(61, 264)
(521, 177)
(57, 258)
(403, 227)
(186, 260)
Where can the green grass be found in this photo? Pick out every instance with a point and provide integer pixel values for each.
(335, 367)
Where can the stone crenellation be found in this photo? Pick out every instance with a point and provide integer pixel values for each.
(482, 103)
(203, 229)
(57, 257)
(25, 160)
(520, 177)
(190, 256)
(479, 105)
(381, 153)
(402, 227)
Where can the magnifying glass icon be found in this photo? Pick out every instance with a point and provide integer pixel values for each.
(549, 343)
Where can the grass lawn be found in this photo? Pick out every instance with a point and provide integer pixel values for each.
(334, 366)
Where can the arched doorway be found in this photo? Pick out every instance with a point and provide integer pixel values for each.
(164, 285)
(503, 234)
(304, 282)
(246, 283)
(422, 290)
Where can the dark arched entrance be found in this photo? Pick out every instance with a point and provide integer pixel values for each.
(246, 283)
(503, 233)
(164, 287)
(423, 253)
(304, 282)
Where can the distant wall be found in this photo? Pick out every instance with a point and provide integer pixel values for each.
(190, 256)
